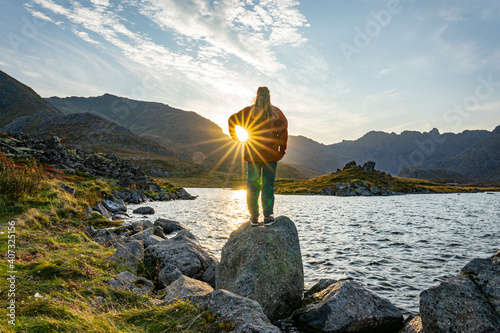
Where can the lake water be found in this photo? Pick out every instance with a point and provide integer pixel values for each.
(395, 246)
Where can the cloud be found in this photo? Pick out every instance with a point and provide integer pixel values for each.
(236, 27)
(493, 106)
(384, 71)
(85, 36)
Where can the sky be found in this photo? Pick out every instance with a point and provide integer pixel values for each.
(336, 68)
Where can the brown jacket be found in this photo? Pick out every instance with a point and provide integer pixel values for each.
(266, 139)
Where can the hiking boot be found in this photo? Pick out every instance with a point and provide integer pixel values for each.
(254, 221)
(269, 220)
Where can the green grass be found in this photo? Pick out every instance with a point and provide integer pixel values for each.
(60, 270)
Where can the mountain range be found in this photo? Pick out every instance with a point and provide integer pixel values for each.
(188, 141)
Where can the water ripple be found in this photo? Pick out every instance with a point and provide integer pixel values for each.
(395, 246)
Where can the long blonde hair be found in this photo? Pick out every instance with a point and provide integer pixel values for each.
(263, 102)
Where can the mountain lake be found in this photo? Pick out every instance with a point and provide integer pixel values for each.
(395, 246)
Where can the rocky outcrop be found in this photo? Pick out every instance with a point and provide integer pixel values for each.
(464, 303)
(264, 264)
(73, 160)
(345, 306)
(358, 188)
(243, 314)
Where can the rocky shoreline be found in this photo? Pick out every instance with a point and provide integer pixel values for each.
(258, 284)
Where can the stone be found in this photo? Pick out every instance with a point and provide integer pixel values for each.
(457, 305)
(89, 231)
(328, 191)
(184, 287)
(114, 207)
(369, 166)
(152, 240)
(343, 190)
(209, 275)
(97, 302)
(169, 226)
(143, 235)
(102, 210)
(345, 306)
(128, 281)
(485, 273)
(413, 325)
(154, 302)
(358, 183)
(141, 225)
(169, 274)
(129, 254)
(350, 165)
(182, 252)
(363, 191)
(68, 189)
(264, 264)
(375, 190)
(144, 211)
(244, 314)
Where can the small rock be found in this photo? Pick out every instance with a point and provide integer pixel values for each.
(128, 281)
(68, 189)
(97, 302)
(184, 287)
(144, 211)
(169, 226)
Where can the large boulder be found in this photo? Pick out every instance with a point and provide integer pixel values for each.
(457, 305)
(264, 264)
(345, 306)
(182, 252)
(485, 273)
(244, 314)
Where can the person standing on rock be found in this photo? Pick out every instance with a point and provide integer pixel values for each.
(267, 129)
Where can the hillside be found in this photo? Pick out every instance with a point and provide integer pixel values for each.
(185, 133)
(20, 101)
(23, 110)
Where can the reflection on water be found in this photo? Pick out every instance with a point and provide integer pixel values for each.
(395, 246)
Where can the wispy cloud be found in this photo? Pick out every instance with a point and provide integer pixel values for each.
(493, 106)
(384, 71)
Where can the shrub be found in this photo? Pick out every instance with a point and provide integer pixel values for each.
(18, 180)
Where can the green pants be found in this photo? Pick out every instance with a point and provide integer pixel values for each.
(261, 176)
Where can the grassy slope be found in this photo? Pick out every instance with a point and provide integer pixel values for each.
(379, 179)
(60, 270)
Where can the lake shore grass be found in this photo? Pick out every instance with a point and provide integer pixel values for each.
(59, 271)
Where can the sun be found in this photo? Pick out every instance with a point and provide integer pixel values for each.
(241, 133)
